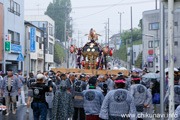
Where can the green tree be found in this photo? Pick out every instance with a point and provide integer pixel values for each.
(140, 24)
(59, 11)
(126, 36)
(59, 53)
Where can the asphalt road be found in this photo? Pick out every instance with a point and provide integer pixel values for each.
(20, 114)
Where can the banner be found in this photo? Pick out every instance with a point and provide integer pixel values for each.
(33, 40)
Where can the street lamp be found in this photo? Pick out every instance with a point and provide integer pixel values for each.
(153, 49)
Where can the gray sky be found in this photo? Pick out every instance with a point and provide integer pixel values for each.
(85, 17)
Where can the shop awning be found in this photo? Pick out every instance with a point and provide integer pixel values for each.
(150, 59)
(166, 58)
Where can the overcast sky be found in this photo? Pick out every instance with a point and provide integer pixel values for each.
(88, 14)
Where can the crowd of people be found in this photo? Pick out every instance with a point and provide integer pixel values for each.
(76, 96)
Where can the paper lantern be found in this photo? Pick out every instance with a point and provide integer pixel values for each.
(111, 52)
(72, 49)
(106, 50)
(83, 63)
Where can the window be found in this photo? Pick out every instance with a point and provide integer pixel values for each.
(156, 44)
(51, 29)
(41, 24)
(14, 7)
(50, 48)
(156, 59)
(11, 6)
(176, 43)
(15, 37)
(150, 64)
(37, 39)
(29, 36)
(40, 43)
(134, 54)
(50, 39)
(175, 23)
(166, 42)
(150, 44)
(12, 34)
(153, 26)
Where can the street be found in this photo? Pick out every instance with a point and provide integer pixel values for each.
(20, 114)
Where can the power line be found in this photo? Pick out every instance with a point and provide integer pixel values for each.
(98, 12)
(97, 6)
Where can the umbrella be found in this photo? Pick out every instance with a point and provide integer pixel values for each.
(175, 69)
(115, 68)
(138, 70)
(151, 76)
(122, 68)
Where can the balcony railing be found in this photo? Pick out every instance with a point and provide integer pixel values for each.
(15, 42)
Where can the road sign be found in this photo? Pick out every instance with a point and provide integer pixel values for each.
(33, 40)
(20, 57)
(16, 48)
(7, 43)
(8, 37)
(7, 46)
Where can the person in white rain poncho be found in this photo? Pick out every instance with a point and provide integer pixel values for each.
(176, 93)
(118, 103)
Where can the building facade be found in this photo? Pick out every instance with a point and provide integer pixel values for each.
(49, 25)
(34, 61)
(137, 50)
(1, 36)
(151, 26)
(13, 22)
(115, 40)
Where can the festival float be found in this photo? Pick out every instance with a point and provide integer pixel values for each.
(91, 58)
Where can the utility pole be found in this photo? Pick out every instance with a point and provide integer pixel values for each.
(27, 51)
(78, 38)
(156, 4)
(171, 57)
(105, 33)
(108, 35)
(65, 41)
(120, 15)
(131, 51)
(162, 64)
(154, 58)
(44, 47)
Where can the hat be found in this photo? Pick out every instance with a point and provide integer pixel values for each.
(120, 81)
(82, 76)
(63, 75)
(136, 78)
(120, 74)
(72, 74)
(92, 81)
(40, 76)
(101, 76)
